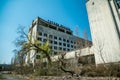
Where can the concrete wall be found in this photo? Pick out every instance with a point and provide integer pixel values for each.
(30, 57)
(104, 24)
(76, 53)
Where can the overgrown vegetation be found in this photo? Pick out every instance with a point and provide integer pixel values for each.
(83, 70)
(101, 70)
(73, 67)
(1, 76)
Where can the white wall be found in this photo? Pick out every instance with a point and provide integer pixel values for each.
(106, 41)
(78, 53)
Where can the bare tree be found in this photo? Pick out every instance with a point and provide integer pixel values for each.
(63, 64)
(25, 44)
(85, 35)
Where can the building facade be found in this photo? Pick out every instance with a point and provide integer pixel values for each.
(60, 38)
(104, 20)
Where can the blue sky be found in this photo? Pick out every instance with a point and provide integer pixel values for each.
(13, 13)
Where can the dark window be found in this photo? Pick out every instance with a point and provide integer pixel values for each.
(68, 45)
(61, 29)
(64, 44)
(71, 46)
(60, 48)
(74, 42)
(55, 47)
(68, 41)
(71, 41)
(64, 40)
(55, 37)
(68, 49)
(60, 39)
(44, 40)
(92, 3)
(118, 4)
(55, 53)
(40, 39)
(64, 49)
(40, 33)
(55, 42)
(51, 41)
(60, 43)
(50, 36)
(45, 34)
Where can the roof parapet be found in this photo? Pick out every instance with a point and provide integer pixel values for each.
(39, 20)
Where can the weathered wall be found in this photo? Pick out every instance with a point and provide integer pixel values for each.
(104, 24)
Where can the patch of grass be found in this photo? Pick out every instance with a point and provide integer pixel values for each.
(1, 77)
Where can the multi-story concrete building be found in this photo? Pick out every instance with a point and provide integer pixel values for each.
(104, 19)
(61, 38)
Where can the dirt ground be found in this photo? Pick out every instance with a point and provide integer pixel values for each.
(19, 77)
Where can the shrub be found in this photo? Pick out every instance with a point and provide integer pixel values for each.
(101, 70)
